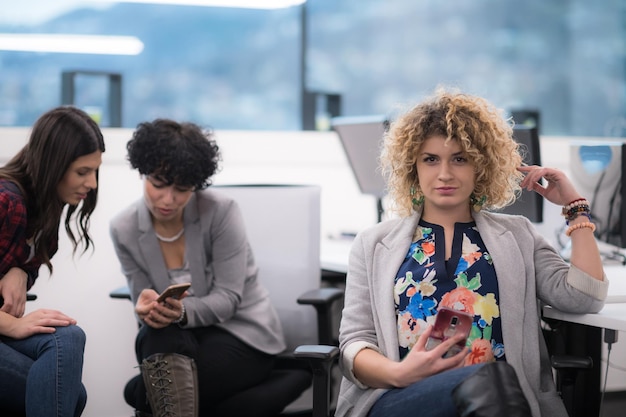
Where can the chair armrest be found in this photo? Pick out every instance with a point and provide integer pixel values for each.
(318, 353)
(320, 296)
(29, 297)
(567, 369)
(322, 299)
(321, 359)
(571, 362)
(122, 293)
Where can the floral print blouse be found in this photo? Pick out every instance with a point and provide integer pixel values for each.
(466, 282)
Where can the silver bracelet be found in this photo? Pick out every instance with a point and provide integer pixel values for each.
(182, 315)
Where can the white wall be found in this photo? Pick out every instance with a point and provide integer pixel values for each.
(80, 285)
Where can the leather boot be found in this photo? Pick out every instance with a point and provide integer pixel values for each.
(493, 391)
(171, 385)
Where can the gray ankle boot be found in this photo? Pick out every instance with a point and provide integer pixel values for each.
(171, 385)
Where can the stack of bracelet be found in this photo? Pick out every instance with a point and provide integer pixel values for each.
(574, 209)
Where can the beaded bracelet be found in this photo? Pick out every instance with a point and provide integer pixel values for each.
(571, 215)
(576, 208)
(577, 226)
(576, 202)
(587, 214)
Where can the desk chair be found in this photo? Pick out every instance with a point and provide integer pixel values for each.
(283, 226)
(29, 297)
(568, 367)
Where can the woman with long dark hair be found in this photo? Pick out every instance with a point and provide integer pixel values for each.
(41, 353)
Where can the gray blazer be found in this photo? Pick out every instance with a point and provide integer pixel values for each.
(529, 272)
(226, 291)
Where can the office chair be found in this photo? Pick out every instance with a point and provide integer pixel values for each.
(568, 367)
(283, 226)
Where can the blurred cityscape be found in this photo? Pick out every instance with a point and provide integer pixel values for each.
(240, 69)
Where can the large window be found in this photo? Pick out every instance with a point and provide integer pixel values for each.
(240, 69)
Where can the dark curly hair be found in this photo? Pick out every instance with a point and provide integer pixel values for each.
(176, 153)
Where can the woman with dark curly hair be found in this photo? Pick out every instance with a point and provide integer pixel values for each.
(221, 339)
(449, 160)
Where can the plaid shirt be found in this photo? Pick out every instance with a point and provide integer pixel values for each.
(14, 249)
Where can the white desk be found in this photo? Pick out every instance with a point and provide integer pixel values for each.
(612, 316)
(617, 283)
(334, 254)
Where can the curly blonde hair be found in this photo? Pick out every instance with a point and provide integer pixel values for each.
(485, 135)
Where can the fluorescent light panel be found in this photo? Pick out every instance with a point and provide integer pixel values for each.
(74, 44)
(118, 45)
(245, 4)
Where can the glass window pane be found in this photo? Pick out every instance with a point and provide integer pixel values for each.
(240, 69)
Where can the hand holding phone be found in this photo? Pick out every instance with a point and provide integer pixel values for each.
(174, 291)
(449, 323)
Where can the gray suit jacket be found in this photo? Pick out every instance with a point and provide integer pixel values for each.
(226, 291)
(529, 272)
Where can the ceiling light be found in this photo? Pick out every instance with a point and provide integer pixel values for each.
(74, 44)
(246, 4)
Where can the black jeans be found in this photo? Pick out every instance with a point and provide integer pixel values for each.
(226, 366)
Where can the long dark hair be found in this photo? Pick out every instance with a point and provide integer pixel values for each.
(58, 138)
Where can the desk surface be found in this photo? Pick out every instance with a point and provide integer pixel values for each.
(612, 316)
(334, 254)
(617, 283)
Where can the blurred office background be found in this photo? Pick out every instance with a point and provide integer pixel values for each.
(233, 68)
(240, 71)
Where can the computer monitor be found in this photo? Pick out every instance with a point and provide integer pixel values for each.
(529, 203)
(527, 117)
(361, 138)
(597, 169)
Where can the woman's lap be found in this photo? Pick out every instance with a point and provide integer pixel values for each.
(29, 366)
(431, 397)
(225, 364)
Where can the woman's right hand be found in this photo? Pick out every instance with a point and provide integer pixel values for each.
(420, 363)
(154, 314)
(38, 321)
(13, 291)
(377, 371)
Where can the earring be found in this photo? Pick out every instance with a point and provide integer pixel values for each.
(477, 203)
(417, 201)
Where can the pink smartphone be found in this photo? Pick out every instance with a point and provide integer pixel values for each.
(448, 323)
(174, 291)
